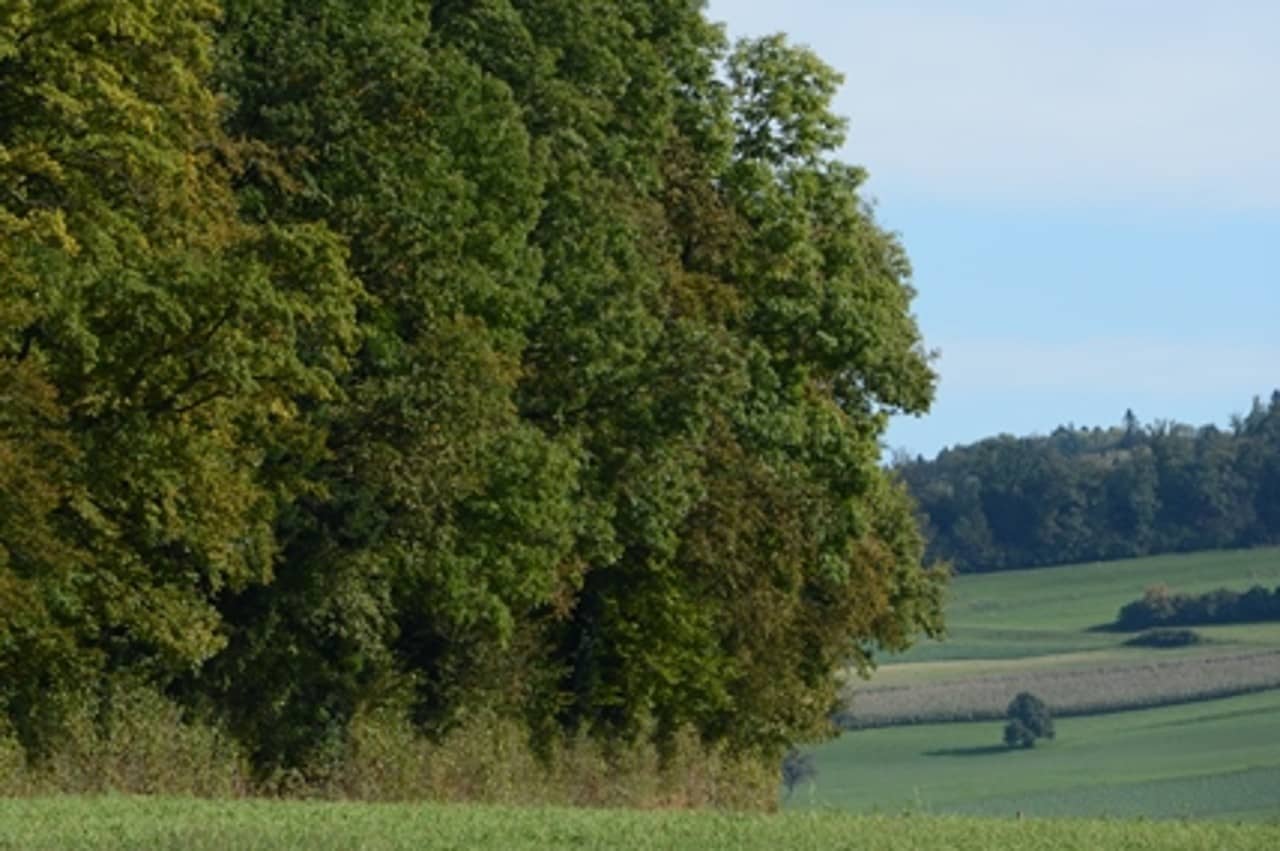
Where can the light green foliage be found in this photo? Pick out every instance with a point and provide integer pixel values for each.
(439, 520)
(112, 823)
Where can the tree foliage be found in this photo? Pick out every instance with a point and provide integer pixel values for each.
(1160, 607)
(1029, 719)
(1094, 494)
(443, 356)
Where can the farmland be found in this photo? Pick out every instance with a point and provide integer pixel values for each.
(1037, 631)
(190, 825)
(1053, 610)
(1217, 758)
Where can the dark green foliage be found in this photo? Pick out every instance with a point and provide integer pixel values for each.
(444, 359)
(155, 349)
(1029, 720)
(1091, 494)
(1164, 638)
(1161, 607)
(1017, 735)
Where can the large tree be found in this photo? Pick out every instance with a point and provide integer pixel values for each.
(516, 356)
(158, 343)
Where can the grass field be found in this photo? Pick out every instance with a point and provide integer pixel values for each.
(1052, 610)
(1036, 630)
(189, 825)
(1218, 758)
(1040, 627)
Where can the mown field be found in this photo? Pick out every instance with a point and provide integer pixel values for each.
(191, 825)
(1051, 610)
(1218, 758)
(1183, 750)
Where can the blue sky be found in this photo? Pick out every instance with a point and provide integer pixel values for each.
(1089, 192)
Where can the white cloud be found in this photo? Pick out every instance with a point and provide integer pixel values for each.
(1079, 101)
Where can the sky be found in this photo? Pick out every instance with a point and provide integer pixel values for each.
(1089, 192)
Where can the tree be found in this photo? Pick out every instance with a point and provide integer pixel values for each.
(442, 355)
(1121, 492)
(437, 520)
(155, 348)
(1029, 720)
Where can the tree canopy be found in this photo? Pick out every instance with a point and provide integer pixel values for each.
(526, 356)
(1086, 494)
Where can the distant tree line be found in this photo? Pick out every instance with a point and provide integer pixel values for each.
(1084, 494)
(519, 357)
(1161, 607)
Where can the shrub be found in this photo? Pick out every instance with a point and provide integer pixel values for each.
(135, 741)
(1160, 607)
(1165, 638)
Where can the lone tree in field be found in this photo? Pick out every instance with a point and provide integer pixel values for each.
(1029, 720)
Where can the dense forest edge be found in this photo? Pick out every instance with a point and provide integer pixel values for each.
(1098, 494)
(388, 388)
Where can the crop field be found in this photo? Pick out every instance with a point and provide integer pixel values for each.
(192, 825)
(1038, 630)
(1218, 758)
(1069, 690)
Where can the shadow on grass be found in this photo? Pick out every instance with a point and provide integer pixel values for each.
(982, 750)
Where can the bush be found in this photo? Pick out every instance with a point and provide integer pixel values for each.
(1161, 607)
(1165, 638)
(1029, 720)
(135, 741)
(490, 759)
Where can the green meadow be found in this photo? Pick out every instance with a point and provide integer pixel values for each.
(193, 825)
(1218, 758)
(1038, 629)
(1055, 610)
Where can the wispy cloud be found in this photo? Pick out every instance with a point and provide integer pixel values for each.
(1169, 102)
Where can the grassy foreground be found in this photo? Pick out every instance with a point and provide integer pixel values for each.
(193, 825)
